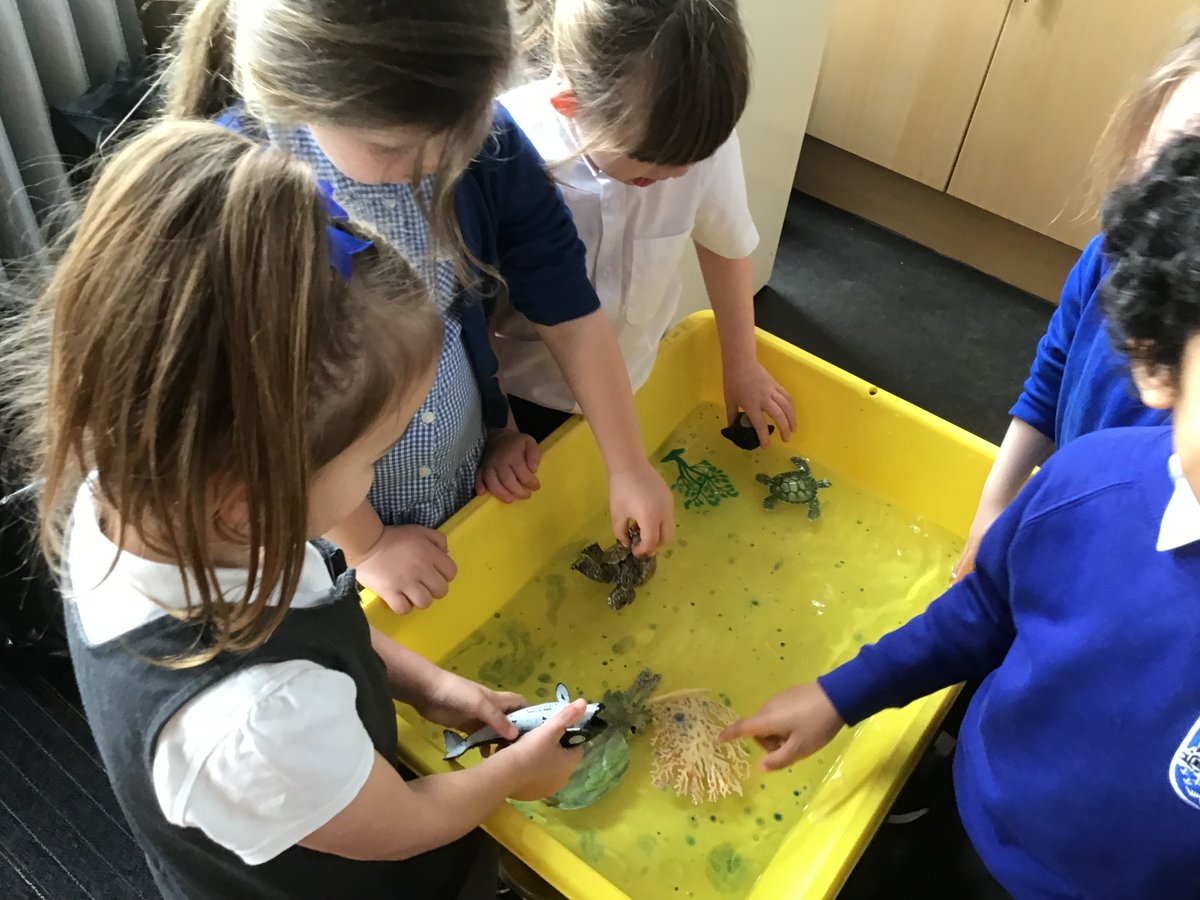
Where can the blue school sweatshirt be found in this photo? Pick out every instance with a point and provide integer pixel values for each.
(1077, 770)
(1078, 383)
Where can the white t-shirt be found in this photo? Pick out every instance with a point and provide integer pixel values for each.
(635, 239)
(259, 760)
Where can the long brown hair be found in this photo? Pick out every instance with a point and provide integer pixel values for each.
(662, 81)
(430, 65)
(1123, 147)
(194, 334)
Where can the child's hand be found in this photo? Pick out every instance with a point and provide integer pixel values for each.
(456, 702)
(988, 512)
(642, 496)
(409, 567)
(507, 470)
(791, 725)
(750, 387)
(542, 764)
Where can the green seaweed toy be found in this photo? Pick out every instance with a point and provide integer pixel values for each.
(606, 757)
(701, 484)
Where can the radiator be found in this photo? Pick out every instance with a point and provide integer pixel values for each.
(51, 51)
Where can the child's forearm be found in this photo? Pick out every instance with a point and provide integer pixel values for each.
(586, 351)
(457, 802)
(962, 636)
(391, 819)
(410, 676)
(357, 534)
(1024, 448)
(730, 287)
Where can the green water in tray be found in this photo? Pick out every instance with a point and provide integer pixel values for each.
(745, 602)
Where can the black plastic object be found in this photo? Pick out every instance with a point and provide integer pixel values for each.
(575, 737)
(742, 434)
(132, 95)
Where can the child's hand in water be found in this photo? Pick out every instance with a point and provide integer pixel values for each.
(750, 388)
(988, 512)
(541, 766)
(791, 725)
(642, 496)
(509, 466)
(456, 702)
(409, 567)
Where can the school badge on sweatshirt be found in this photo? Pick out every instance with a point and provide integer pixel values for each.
(1185, 768)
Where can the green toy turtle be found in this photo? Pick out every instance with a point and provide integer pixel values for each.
(616, 566)
(794, 487)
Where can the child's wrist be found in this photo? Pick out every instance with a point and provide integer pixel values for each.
(735, 360)
(356, 557)
(627, 468)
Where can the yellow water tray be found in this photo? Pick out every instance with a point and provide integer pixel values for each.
(747, 601)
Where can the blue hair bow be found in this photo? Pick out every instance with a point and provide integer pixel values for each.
(343, 246)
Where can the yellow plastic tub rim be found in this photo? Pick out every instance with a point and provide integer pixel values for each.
(825, 587)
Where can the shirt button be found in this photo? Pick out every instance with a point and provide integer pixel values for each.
(424, 471)
(428, 417)
(391, 203)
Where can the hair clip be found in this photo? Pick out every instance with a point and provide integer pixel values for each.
(343, 246)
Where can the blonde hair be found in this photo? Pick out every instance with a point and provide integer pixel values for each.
(663, 81)
(1129, 132)
(194, 336)
(431, 65)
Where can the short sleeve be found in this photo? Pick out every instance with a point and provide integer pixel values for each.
(723, 221)
(263, 758)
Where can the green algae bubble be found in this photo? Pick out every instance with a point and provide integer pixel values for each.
(516, 664)
(727, 871)
(590, 847)
(556, 593)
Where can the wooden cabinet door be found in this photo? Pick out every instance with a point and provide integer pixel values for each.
(900, 77)
(1060, 70)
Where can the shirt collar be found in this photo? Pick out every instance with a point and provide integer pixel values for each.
(557, 139)
(1181, 520)
(113, 598)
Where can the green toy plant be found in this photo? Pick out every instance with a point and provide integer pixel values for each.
(606, 757)
(700, 484)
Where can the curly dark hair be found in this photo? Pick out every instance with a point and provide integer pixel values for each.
(1152, 240)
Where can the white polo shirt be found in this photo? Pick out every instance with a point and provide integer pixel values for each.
(257, 761)
(635, 239)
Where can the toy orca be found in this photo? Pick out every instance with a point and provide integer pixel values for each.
(528, 719)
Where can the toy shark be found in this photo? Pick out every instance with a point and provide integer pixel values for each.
(528, 719)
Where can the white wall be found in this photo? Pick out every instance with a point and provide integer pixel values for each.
(786, 37)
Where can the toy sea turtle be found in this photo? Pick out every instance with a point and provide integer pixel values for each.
(794, 487)
(616, 566)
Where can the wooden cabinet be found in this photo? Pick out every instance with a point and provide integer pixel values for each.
(1060, 69)
(899, 80)
(1001, 103)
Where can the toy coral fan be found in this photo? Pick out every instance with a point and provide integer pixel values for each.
(687, 757)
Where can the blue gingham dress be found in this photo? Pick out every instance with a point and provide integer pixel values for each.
(430, 474)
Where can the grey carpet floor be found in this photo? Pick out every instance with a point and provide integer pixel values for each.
(935, 332)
